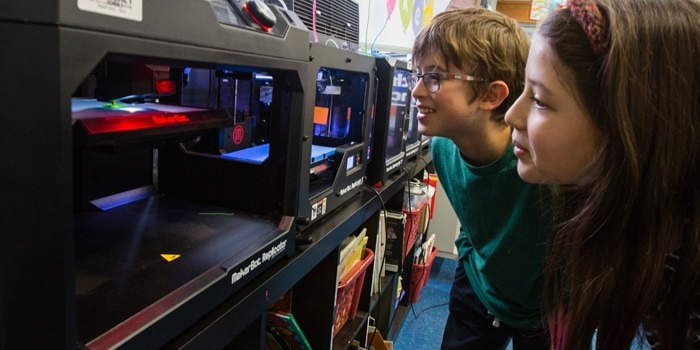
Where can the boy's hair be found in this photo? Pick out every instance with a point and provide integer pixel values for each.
(489, 44)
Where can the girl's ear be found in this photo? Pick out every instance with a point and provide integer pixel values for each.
(494, 96)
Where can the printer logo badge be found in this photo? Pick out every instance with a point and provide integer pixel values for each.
(238, 134)
(351, 186)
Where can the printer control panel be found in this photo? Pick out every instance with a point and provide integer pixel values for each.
(250, 14)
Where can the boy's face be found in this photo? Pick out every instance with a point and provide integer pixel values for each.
(448, 111)
(555, 139)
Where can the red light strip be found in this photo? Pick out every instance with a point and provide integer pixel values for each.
(118, 124)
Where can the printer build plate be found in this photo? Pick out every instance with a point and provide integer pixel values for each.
(144, 258)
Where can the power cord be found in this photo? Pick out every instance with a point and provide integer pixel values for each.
(426, 309)
(378, 195)
(379, 285)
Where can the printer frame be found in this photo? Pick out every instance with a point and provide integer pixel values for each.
(350, 157)
(49, 49)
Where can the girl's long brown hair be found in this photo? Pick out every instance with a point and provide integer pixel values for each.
(605, 269)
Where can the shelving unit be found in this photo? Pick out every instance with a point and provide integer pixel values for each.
(311, 274)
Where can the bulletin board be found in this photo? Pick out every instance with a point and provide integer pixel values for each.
(392, 25)
(539, 9)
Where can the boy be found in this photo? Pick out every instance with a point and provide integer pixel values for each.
(469, 67)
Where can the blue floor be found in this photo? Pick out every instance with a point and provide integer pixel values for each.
(423, 326)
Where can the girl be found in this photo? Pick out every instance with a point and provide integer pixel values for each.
(610, 114)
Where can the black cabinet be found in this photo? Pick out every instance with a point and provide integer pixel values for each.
(310, 274)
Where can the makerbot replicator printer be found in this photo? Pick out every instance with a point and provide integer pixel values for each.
(152, 144)
(336, 129)
(390, 120)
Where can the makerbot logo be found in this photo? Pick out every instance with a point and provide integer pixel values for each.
(170, 119)
(351, 186)
(254, 263)
(394, 166)
(238, 134)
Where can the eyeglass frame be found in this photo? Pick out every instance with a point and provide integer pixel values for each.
(437, 76)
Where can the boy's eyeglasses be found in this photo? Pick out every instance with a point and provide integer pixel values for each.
(431, 80)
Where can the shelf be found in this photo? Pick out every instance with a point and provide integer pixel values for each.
(350, 331)
(397, 322)
(385, 283)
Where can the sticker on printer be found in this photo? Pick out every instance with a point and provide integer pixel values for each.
(318, 209)
(127, 9)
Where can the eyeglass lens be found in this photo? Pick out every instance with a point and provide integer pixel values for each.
(431, 81)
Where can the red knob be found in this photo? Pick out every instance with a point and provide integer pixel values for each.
(260, 13)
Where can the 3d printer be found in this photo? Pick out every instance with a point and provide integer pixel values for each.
(157, 162)
(336, 129)
(414, 140)
(390, 120)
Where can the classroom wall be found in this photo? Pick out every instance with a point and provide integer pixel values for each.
(392, 25)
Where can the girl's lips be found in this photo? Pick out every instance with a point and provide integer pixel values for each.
(518, 150)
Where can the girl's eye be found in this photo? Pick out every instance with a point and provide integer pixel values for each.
(537, 102)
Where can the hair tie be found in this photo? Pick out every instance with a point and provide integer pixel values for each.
(588, 15)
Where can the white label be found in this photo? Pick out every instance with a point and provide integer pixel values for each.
(351, 186)
(412, 152)
(256, 262)
(318, 209)
(394, 166)
(127, 9)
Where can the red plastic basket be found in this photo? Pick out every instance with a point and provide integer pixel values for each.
(349, 290)
(411, 227)
(420, 275)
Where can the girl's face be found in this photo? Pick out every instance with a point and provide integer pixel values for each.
(554, 137)
(446, 112)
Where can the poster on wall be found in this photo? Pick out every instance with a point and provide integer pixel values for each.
(539, 9)
(392, 25)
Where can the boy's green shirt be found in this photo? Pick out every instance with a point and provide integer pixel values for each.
(505, 224)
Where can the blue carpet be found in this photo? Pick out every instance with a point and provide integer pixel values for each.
(423, 326)
(425, 321)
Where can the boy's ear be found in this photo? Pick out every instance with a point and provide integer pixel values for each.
(494, 96)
